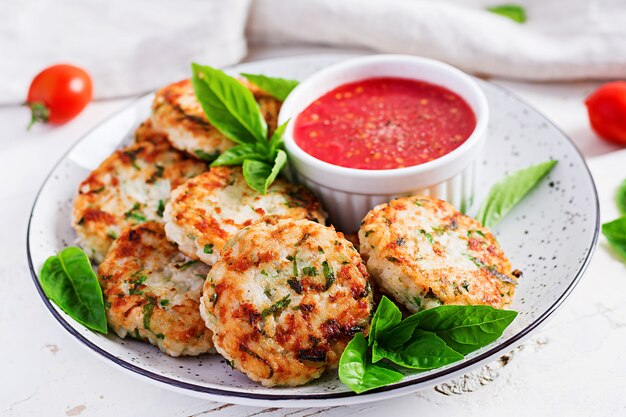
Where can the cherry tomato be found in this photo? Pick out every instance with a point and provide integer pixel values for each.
(58, 93)
(607, 111)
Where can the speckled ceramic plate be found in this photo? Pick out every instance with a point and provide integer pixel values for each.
(550, 236)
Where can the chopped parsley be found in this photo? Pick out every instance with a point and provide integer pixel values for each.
(147, 310)
(329, 274)
(208, 248)
(309, 271)
(186, 265)
(295, 285)
(160, 208)
(277, 307)
(164, 302)
(132, 155)
(135, 214)
(428, 236)
(112, 235)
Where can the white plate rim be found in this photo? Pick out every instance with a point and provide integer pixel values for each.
(321, 399)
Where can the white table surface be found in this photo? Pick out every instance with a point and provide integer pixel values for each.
(575, 366)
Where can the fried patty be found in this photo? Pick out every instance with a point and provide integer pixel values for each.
(206, 211)
(284, 299)
(177, 112)
(424, 253)
(152, 291)
(129, 187)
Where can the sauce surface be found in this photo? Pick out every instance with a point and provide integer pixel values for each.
(384, 123)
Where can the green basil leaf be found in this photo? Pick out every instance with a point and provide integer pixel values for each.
(205, 156)
(514, 12)
(260, 175)
(621, 198)
(615, 233)
(70, 282)
(423, 351)
(256, 173)
(276, 141)
(386, 317)
(505, 194)
(238, 154)
(279, 162)
(229, 106)
(463, 328)
(358, 373)
(277, 87)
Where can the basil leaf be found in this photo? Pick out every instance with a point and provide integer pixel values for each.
(238, 154)
(205, 156)
(505, 194)
(279, 162)
(386, 317)
(276, 141)
(514, 12)
(229, 106)
(255, 173)
(358, 373)
(621, 198)
(277, 87)
(615, 233)
(424, 351)
(70, 282)
(463, 328)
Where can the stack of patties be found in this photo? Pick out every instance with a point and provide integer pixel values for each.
(152, 289)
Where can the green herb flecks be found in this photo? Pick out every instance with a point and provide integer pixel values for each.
(160, 208)
(277, 307)
(147, 311)
(135, 213)
(428, 236)
(309, 271)
(186, 265)
(208, 248)
(329, 274)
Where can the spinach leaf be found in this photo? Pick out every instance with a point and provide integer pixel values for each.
(505, 194)
(70, 282)
(621, 198)
(238, 154)
(463, 328)
(229, 106)
(514, 12)
(357, 371)
(423, 351)
(277, 87)
(615, 233)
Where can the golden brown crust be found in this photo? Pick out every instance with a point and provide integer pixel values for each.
(206, 211)
(130, 186)
(423, 252)
(152, 292)
(177, 112)
(284, 300)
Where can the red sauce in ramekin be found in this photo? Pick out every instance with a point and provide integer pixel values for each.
(384, 123)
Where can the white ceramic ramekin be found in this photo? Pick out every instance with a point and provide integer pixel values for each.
(348, 193)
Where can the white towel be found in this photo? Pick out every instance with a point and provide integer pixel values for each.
(131, 46)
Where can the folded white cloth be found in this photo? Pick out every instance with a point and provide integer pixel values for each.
(134, 46)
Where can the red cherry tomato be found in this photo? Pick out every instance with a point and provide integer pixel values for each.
(58, 93)
(607, 111)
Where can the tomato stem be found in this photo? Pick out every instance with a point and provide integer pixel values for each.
(39, 113)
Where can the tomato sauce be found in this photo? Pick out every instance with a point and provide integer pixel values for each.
(384, 123)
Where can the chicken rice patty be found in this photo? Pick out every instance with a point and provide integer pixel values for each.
(129, 187)
(284, 300)
(424, 253)
(177, 112)
(206, 211)
(152, 292)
